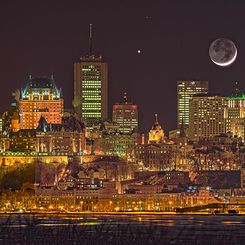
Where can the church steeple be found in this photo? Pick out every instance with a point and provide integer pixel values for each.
(156, 134)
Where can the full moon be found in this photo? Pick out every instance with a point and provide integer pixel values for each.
(222, 52)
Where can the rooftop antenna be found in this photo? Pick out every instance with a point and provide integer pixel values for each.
(30, 77)
(237, 85)
(156, 117)
(125, 99)
(90, 38)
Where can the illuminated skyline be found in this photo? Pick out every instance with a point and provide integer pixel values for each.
(173, 39)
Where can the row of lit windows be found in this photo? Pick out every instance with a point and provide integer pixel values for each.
(92, 91)
(92, 103)
(94, 95)
(93, 76)
(123, 120)
(91, 108)
(87, 89)
(91, 115)
(91, 99)
(88, 82)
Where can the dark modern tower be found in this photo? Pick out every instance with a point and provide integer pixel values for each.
(91, 86)
(185, 91)
(125, 114)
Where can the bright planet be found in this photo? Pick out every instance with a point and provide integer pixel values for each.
(223, 52)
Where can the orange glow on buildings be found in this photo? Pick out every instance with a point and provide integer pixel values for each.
(40, 97)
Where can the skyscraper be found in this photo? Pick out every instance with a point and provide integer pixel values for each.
(235, 114)
(1, 124)
(185, 91)
(125, 114)
(206, 116)
(40, 97)
(91, 87)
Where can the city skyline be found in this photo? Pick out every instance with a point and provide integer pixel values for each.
(144, 45)
(122, 122)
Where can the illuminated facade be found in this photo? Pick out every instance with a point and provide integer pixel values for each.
(185, 91)
(67, 138)
(243, 176)
(156, 134)
(1, 124)
(40, 97)
(125, 114)
(116, 144)
(11, 119)
(23, 140)
(91, 89)
(235, 114)
(156, 157)
(206, 116)
(15, 122)
(61, 143)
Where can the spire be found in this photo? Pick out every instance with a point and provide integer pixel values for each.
(236, 86)
(30, 76)
(125, 98)
(156, 118)
(90, 38)
(237, 91)
(52, 76)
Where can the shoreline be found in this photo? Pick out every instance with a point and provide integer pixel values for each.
(117, 213)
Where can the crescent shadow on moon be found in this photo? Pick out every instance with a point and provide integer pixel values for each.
(227, 63)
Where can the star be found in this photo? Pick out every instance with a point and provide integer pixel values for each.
(139, 51)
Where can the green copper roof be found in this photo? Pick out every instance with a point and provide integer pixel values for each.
(240, 97)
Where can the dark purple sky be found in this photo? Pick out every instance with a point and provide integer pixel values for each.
(174, 36)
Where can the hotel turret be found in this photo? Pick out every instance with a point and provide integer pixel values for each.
(40, 97)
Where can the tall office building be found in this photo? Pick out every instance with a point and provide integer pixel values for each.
(206, 116)
(91, 87)
(1, 124)
(40, 97)
(235, 114)
(125, 114)
(185, 91)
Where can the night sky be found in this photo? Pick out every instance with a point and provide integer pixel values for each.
(173, 36)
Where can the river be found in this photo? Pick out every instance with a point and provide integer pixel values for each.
(121, 229)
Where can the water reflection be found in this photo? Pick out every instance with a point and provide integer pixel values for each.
(90, 223)
(232, 222)
(53, 224)
(122, 229)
